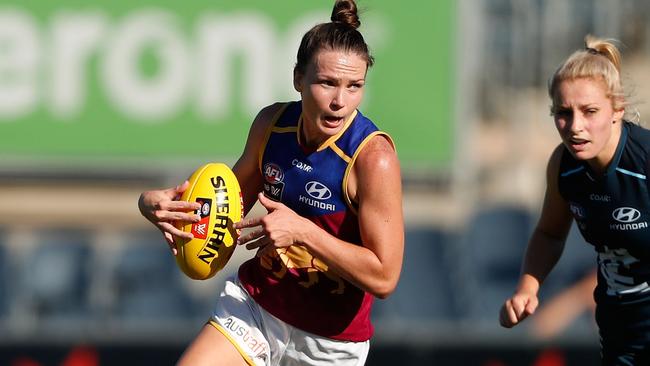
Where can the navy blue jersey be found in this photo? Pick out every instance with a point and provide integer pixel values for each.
(612, 210)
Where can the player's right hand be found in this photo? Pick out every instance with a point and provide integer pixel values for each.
(162, 208)
(517, 308)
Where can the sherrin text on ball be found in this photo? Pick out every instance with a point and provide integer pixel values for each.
(216, 188)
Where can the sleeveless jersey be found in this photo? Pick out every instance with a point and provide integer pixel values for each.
(292, 284)
(612, 211)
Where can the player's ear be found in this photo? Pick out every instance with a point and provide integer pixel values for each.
(618, 115)
(297, 80)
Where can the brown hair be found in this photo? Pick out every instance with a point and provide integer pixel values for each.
(340, 34)
(599, 60)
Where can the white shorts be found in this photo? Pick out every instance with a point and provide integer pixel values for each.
(263, 339)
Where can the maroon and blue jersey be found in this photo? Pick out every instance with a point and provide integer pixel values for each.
(292, 284)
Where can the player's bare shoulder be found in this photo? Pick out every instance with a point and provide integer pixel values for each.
(266, 116)
(378, 153)
(554, 161)
(377, 165)
(260, 127)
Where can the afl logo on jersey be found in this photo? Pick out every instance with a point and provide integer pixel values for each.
(626, 214)
(577, 211)
(273, 173)
(273, 185)
(317, 190)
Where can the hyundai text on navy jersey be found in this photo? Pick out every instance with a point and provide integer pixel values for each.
(612, 211)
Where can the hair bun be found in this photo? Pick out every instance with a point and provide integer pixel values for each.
(345, 11)
(604, 47)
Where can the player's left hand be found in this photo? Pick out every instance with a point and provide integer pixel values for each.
(163, 208)
(281, 227)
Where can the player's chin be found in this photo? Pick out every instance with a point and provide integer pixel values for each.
(582, 155)
(580, 151)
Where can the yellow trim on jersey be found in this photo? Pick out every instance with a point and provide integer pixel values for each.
(218, 327)
(269, 129)
(331, 139)
(340, 153)
(284, 129)
(363, 143)
(299, 135)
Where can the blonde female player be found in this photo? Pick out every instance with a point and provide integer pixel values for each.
(597, 177)
(333, 237)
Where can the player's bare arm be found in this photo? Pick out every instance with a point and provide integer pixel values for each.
(544, 249)
(547, 242)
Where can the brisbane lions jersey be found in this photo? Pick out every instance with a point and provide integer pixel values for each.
(292, 284)
(612, 210)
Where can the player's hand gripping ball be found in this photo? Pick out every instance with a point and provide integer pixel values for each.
(215, 187)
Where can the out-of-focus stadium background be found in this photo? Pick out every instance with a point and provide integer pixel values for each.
(101, 101)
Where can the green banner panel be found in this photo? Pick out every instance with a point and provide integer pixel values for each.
(153, 80)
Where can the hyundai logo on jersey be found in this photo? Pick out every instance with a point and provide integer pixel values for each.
(626, 217)
(626, 214)
(317, 190)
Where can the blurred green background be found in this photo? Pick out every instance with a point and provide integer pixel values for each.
(153, 80)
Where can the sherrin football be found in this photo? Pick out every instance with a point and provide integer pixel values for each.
(215, 187)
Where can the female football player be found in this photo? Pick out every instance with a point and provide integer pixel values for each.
(333, 237)
(597, 177)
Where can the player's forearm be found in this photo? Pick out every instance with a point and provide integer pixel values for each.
(542, 254)
(355, 263)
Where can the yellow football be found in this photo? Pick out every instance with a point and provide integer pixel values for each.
(215, 187)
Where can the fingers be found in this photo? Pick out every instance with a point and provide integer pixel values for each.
(256, 240)
(177, 211)
(176, 192)
(266, 249)
(163, 209)
(246, 223)
(170, 241)
(253, 235)
(179, 206)
(531, 306)
(524, 307)
(268, 203)
(175, 216)
(262, 242)
(507, 316)
(173, 230)
(156, 205)
(516, 310)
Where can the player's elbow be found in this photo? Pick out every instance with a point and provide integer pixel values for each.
(382, 295)
(385, 280)
(383, 289)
